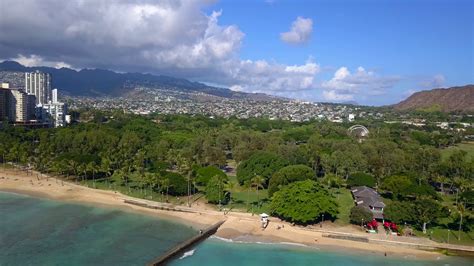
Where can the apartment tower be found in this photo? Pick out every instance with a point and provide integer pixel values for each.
(39, 84)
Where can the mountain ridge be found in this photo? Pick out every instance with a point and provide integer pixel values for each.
(459, 98)
(102, 82)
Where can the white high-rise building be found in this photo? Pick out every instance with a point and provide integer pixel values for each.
(39, 84)
(54, 113)
(55, 95)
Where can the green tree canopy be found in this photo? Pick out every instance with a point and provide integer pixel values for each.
(204, 174)
(215, 189)
(303, 202)
(289, 174)
(419, 212)
(360, 214)
(468, 198)
(260, 163)
(397, 184)
(399, 212)
(361, 179)
(426, 211)
(177, 184)
(402, 186)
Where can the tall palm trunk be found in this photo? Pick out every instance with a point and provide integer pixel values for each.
(189, 189)
(258, 198)
(93, 177)
(248, 198)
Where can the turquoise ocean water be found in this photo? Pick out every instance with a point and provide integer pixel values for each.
(37, 231)
(218, 252)
(44, 232)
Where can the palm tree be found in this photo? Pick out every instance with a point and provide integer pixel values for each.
(442, 180)
(106, 167)
(461, 210)
(92, 167)
(165, 183)
(248, 185)
(151, 180)
(81, 168)
(257, 181)
(220, 187)
(56, 167)
(229, 186)
(72, 165)
(184, 167)
(118, 175)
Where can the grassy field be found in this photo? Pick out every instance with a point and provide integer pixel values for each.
(441, 235)
(247, 201)
(465, 146)
(346, 202)
(138, 193)
(242, 199)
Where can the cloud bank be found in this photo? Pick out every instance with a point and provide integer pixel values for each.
(171, 37)
(345, 86)
(166, 37)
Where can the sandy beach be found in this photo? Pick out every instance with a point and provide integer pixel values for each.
(237, 225)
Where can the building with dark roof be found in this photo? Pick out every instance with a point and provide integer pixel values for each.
(369, 199)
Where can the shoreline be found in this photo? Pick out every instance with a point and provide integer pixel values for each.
(237, 225)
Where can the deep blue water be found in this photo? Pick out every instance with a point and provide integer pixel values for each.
(37, 231)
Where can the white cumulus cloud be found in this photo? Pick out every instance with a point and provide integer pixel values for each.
(262, 76)
(346, 85)
(300, 31)
(170, 37)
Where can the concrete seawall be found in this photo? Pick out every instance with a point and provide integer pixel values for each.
(458, 249)
(182, 247)
(159, 206)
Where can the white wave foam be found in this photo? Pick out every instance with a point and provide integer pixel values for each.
(187, 254)
(260, 242)
(293, 244)
(222, 239)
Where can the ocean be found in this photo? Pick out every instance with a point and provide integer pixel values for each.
(36, 231)
(215, 251)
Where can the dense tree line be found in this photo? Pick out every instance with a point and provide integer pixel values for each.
(179, 155)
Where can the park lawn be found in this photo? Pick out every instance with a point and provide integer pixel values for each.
(465, 146)
(441, 235)
(245, 196)
(244, 200)
(345, 201)
(136, 192)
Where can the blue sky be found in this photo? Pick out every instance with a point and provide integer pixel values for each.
(415, 40)
(373, 52)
